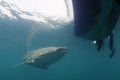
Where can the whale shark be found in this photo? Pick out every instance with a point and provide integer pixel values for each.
(42, 57)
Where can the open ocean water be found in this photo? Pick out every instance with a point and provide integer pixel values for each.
(82, 62)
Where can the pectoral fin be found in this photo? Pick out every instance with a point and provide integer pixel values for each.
(19, 64)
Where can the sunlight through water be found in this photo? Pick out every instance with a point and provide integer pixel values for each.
(48, 14)
(54, 8)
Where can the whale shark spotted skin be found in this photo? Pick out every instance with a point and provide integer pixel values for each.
(43, 57)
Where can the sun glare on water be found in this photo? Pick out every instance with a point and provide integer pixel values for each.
(46, 7)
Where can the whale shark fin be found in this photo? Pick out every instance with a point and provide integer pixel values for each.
(22, 63)
(26, 52)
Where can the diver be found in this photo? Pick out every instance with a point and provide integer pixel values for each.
(95, 22)
(100, 43)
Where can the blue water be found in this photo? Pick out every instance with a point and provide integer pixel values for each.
(82, 62)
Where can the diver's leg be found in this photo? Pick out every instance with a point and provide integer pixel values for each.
(99, 44)
(111, 43)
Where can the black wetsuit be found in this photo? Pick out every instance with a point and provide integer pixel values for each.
(100, 43)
